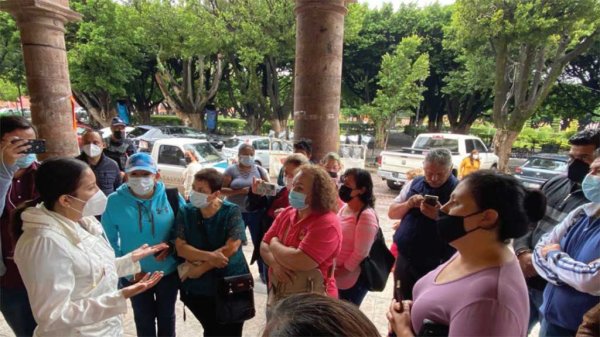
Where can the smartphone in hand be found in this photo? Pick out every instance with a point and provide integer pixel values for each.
(265, 188)
(431, 200)
(36, 145)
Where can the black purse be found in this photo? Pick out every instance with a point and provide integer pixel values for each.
(375, 268)
(235, 299)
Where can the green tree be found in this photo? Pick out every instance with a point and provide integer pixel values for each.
(531, 42)
(12, 69)
(401, 80)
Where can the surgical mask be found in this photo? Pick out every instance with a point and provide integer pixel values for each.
(577, 170)
(475, 156)
(297, 200)
(289, 183)
(452, 227)
(199, 200)
(26, 161)
(141, 185)
(94, 206)
(92, 150)
(591, 187)
(333, 174)
(118, 134)
(345, 193)
(247, 160)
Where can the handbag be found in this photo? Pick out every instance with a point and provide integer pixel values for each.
(235, 299)
(375, 268)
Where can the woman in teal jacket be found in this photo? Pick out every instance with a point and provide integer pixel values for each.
(137, 213)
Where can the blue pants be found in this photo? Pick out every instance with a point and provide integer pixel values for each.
(14, 305)
(156, 306)
(356, 294)
(536, 298)
(551, 330)
(253, 221)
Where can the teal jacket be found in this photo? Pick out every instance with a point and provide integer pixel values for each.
(129, 222)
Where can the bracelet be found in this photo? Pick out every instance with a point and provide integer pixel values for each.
(523, 251)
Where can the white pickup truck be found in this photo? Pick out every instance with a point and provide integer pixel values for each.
(395, 164)
(168, 154)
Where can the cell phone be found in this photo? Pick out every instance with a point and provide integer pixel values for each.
(430, 328)
(265, 188)
(431, 200)
(36, 145)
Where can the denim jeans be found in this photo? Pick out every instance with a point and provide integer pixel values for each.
(253, 222)
(551, 330)
(536, 298)
(14, 305)
(156, 306)
(356, 294)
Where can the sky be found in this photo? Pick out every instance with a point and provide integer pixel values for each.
(396, 3)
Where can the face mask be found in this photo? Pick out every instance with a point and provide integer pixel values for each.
(188, 160)
(297, 200)
(577, 170)
(94, 206)
(289, 182)
(92, 150)
(141, 185)
(475, 156)
(591, 187)
(452, 227)
(332, 174)
(247, 160)
(199, 200)
(118, 134)
(25, 162)
(345, 193)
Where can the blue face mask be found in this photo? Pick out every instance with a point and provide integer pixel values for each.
(297, 200)
(25, 162)
(247, 160)
(591, 187)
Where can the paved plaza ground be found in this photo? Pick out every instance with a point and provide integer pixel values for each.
(374, 306)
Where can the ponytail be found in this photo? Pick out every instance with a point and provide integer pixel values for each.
(16, 222)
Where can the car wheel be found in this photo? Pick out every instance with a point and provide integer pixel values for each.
(392, 185)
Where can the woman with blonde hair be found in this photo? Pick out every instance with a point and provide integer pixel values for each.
(307, 235)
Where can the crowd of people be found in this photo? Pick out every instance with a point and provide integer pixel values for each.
(478, 256)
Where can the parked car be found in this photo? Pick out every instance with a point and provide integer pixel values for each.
(541, 167)
(169, 156)
(395, 164)
(106, 132)
(264, 147)
(144, 136)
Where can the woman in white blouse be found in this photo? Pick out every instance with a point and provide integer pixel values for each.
(68, 267)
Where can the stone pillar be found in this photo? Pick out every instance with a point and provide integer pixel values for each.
(42, 27)
(318, 72)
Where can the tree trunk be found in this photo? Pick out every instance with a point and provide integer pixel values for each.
(276, 125)
(144, 116)
(503, 141)
(380, 134)
(196, 120)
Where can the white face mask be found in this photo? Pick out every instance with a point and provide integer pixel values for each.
(475, 156)
(199, 200)
(92, 150)
(247, 160)
(141, 185)
(94, 206)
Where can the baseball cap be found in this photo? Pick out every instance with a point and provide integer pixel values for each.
(141, 161)
(117, 121)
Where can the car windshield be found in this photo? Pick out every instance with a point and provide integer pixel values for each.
(546, 164)
(186, 132)
(232, 142)
(436, 142)
(138, 131)
(204, 151)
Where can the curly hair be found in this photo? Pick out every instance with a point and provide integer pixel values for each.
(324, 192)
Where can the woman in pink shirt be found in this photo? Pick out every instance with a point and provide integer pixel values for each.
(359, 227)
(306, 235)
(481, 290)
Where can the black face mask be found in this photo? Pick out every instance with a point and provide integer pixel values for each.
(118, 134)
(332, 174)
(452, 227)
(344, 193)
(578, 170)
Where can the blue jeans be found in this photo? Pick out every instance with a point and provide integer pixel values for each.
(253, 221)
(551, 330)
(536, 298)
(356, 294)
(156, 306)
(14, 305)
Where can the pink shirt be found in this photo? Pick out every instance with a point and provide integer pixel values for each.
(490, 302)
(319, 236)
(357, 239)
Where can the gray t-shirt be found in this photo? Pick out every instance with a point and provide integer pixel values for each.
(240, 180)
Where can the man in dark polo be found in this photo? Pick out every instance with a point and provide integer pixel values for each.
(420, 249)
(108, 175)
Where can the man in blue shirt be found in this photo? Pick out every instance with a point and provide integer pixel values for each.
(108, 175)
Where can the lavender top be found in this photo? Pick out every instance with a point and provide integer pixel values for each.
(491, 302)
